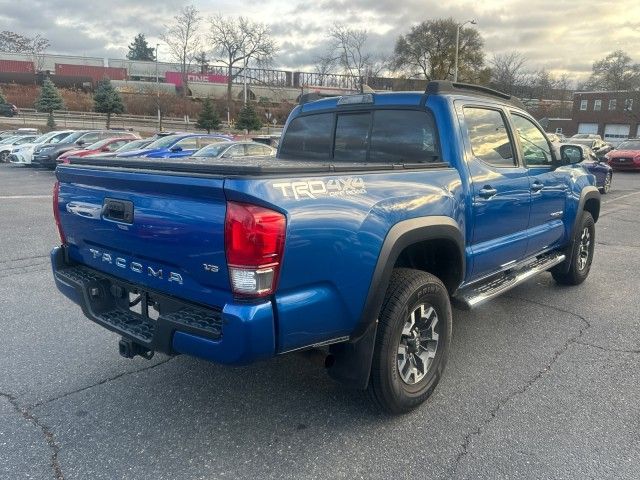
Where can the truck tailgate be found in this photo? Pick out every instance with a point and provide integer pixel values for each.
(162, 231)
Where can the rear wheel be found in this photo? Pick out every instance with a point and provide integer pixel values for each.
(582, 256)
(412, 341)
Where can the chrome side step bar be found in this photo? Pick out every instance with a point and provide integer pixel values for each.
(476, 294)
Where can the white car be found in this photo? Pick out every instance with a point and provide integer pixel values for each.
(22, 154)
(7, 145)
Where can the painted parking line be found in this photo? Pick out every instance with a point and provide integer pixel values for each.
(21, 197)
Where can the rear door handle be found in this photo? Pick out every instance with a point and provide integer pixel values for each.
(487, 191)
(536, 186)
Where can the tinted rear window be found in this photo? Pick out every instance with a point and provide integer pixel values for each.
(380, 136)
(309, 137)
(352, 137)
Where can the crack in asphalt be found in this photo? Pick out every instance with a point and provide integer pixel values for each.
(625, 245)
(101, 382)
(16, 267)
(27, 414)
(8, 272)
(47, 434)
(33, 257)
(607, 349)
(493, 413)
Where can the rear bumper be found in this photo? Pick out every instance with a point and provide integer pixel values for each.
(236, 334)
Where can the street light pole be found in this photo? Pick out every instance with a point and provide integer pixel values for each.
(244, 75)
(158, 89)
(455, 67)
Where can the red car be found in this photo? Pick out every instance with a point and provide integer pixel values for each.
(626, 156)
(101, 146)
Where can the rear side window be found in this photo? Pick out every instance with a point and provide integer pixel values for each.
(403, 136)
(91, 137)
(380, 136)
(189, 143)
(488, 135)
(308, 137)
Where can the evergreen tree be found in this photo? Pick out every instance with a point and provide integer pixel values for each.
(208, 119)
(2, 99)
(248, 119)
(107, 100)
(139, 49)
(49, 100)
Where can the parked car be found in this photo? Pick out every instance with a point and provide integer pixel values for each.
(46, 155)
(8, 110)
(271, 140)
(127, 147)
(594, 165)
(379, 211)
(8, 144)
(175, 146)
(599, 147)
(22, 154)
(236, 150)
(556, 137)
(626, 156)
(583, 136)
(107, 145)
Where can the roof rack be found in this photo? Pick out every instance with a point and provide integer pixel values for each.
(446, 86)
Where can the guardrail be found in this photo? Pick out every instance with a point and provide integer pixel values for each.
(91, 120)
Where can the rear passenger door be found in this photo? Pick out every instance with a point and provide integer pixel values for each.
(500, 191)
(549, 187)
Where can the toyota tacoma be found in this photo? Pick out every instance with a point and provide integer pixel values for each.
(380, 211)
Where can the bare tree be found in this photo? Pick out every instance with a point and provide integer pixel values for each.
(238, 42)
(508, 71)
(33, 47)
(350, 46)
(183, 39)
(325, 64)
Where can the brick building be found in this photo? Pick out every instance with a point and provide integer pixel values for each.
(614, 115)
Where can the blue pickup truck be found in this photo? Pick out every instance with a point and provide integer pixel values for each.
(379, 212)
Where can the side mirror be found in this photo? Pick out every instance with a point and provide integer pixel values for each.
(80, 142)
(226, 155)
(570, 154)
(105, 149)
(176, 148)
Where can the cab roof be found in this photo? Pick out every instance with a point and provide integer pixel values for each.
(310, 102)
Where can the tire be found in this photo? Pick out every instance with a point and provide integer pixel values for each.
(4, 156)
(606, 187)
(409, 358)
(582, 256)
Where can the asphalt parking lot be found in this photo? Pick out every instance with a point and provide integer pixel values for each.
(542, 383)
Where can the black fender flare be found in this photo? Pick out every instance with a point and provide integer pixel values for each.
(351, 361)
(589, 192)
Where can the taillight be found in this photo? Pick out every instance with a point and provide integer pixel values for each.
(254, 240)
(56, 212)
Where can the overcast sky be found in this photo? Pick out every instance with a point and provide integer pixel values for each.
(563, 36)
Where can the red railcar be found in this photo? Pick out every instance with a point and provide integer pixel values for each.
(16, 66)
(94, 72)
